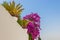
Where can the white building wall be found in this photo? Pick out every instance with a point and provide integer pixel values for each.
(9, 28)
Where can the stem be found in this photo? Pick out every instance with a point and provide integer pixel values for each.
(39, 38)
(30, 37)
(19, 17)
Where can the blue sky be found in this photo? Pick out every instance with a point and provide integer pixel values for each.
(49, 11)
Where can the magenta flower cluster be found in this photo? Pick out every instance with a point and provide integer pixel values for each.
(34, 25)
(32, 30)
(33, 17)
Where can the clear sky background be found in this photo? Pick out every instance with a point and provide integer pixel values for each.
(49, 11)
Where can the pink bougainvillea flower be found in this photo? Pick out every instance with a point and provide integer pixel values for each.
(37, 24)
(33, 17)
(33, 26)
(32, 30)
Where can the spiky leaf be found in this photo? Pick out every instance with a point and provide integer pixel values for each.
(23, 23)
(13, 9)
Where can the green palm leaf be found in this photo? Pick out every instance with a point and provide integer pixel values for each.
(23, 23)
(6, 5)
(12, 5)
(13, 9)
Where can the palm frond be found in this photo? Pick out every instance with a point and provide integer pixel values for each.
(20, 10)
(18, 6)
(12, 5)
(13, 9)
(6, 5)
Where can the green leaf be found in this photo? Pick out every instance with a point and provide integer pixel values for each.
(20, 22)
(23, 23)
(13, 8)
(12, 5)
(6, 5)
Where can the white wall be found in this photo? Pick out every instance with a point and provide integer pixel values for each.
(9, 28)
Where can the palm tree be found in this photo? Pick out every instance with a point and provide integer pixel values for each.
(13, 9)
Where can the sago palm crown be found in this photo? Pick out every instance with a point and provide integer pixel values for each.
(13, 9)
